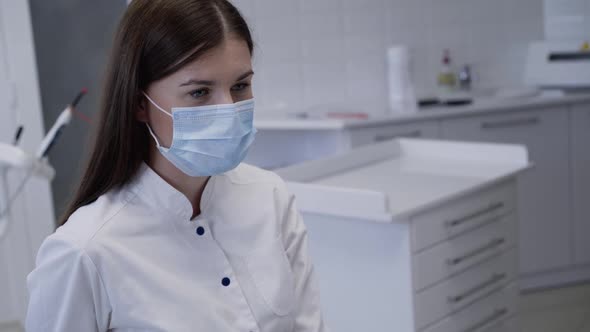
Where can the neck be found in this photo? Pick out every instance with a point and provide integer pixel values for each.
(191, 187)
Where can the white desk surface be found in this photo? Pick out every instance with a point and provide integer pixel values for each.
(408, 175)
(414, 183)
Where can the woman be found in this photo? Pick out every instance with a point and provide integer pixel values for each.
(168, 230)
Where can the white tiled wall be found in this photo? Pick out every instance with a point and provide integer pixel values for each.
(567, 20)
(316, 52)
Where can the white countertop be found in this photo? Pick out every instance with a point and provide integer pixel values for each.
(412, 184)
(480, 106)
(411, 176)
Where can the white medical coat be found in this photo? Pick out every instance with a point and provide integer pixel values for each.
(134, 261)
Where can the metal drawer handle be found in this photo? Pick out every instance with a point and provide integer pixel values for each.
(497, 315)
(381, 138)
(511, 123)
(462, 220)
(490, 246)
(496, 278)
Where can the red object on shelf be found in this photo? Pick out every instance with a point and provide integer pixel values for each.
(347, 115)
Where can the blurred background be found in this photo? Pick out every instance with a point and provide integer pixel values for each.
(333, 76)
(311, 53)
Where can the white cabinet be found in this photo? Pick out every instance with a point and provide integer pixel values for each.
(491, 315)
(553, 202)
(580, 131)
(452, 257)
(415, 235)
(364, 136)
(280, 148)
(544, 192)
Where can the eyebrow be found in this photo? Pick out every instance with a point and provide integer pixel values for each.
(205, 82)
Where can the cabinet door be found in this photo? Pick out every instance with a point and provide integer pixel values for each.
(580, 125)
(544, 191)
(364, 136)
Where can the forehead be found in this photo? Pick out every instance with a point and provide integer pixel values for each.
(229, 58)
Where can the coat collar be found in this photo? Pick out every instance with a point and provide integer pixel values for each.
(163, 197)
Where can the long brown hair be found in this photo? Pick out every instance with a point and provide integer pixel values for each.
(154, 39)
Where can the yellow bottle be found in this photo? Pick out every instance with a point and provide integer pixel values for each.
(446, 76)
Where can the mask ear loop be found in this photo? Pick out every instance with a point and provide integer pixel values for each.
(157, 106)
(154, 136)
(148, 125)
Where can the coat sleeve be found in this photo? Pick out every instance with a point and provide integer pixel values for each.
(308, 315)
(65, 290)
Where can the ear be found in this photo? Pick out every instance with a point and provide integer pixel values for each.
(141, 114)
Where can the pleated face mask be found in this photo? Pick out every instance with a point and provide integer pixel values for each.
(209, 140)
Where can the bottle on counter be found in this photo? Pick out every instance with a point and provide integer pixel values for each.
(402, 98)
(446, 77)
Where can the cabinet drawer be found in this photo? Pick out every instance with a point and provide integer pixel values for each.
(544, 210)
(509, 325)
(495, 313)
(439, 224)
(364, 136)
(460, 291)
(458, 254)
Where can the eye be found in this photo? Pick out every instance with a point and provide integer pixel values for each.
(199, 93)
(240, 86)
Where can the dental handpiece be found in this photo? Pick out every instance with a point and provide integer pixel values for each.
(63, 120)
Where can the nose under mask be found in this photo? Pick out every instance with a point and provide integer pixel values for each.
(208, 140)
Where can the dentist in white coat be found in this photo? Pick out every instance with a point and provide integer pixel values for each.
(168, 230)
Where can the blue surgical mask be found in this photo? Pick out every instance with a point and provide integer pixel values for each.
(209, 140)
